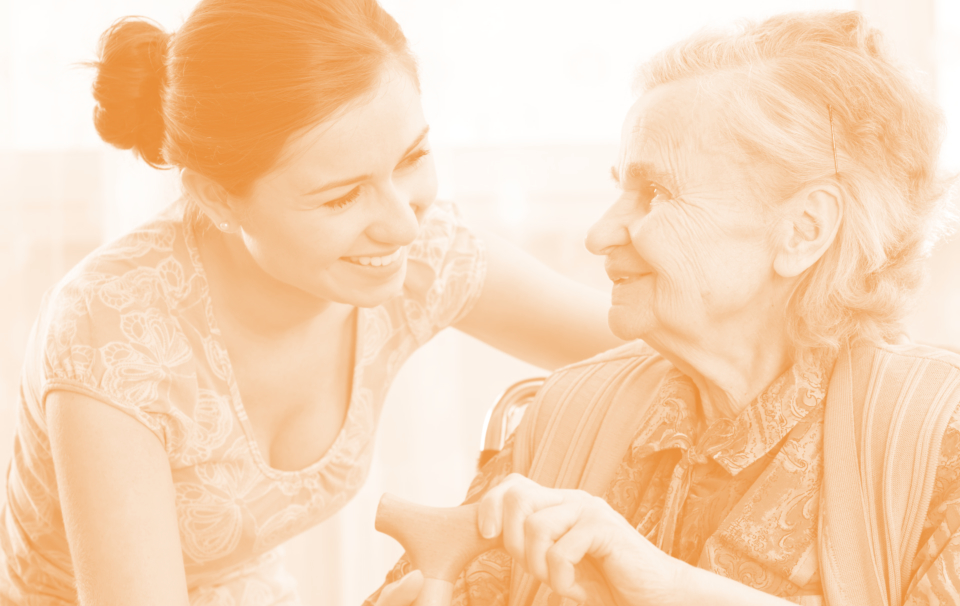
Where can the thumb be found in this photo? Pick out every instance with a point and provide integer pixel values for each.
(403, 592)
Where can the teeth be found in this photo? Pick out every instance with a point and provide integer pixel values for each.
(377, 261)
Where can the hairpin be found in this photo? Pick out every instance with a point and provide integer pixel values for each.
(833, 141)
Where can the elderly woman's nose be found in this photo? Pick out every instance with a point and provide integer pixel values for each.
(608, 233)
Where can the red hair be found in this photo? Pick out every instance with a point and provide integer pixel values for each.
(223, 94)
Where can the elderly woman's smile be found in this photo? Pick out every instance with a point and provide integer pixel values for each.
(688, 246)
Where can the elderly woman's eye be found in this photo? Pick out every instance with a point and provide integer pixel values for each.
(659, 194)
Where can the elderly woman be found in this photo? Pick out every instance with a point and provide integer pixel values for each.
(772, 438)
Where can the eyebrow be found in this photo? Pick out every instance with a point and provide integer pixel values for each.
(642, 170)
(351, 180)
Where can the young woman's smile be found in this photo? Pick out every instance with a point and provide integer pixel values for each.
(378, 268)
(377, 260)
(334, 220)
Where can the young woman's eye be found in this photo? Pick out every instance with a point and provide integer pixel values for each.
(414, 159)
(345, 200)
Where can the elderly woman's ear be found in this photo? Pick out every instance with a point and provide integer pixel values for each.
(807, 227)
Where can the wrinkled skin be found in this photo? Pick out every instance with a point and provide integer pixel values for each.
(688, 241)
(687, 234)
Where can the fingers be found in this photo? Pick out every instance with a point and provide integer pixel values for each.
(558, 539)
(520, 503)
(561, 561)
(550, 531)
(403, 592)
(516, 494)
(541, 530)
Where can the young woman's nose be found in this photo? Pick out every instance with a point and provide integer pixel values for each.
(398, 220)
(611, 231)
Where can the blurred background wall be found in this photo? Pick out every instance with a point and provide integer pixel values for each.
(525, 100)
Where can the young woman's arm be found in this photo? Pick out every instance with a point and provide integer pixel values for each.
(118, 505)
(532, 312)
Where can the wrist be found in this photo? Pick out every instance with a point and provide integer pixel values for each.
(696, 586)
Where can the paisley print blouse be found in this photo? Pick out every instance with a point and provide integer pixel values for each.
(133, 327)
(739, 497)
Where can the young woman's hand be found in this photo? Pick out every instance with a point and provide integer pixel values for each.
(579, 546)
(402, 592)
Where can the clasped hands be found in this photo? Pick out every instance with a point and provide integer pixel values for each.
(573, 542)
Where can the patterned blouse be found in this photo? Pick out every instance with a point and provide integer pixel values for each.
(739, 497)
(133, 326)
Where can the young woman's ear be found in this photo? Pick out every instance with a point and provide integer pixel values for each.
(214, 201)
(808, 228)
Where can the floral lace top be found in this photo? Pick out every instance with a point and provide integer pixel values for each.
(740, 497)
(133, 327)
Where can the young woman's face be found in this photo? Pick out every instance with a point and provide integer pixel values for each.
(335, 219)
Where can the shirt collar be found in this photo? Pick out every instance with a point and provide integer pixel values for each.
(674, 419)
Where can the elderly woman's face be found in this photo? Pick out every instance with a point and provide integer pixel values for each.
(686, 242)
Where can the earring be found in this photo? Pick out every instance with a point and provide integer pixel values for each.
(224, 226)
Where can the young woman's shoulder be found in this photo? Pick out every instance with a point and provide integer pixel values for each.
(125, 323)
(151, 266)
(149, 246)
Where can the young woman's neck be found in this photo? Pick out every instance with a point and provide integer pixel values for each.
(250, 298)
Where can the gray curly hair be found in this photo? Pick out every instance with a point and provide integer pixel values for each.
(777, 83)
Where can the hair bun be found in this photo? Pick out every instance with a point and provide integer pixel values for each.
(131, 71)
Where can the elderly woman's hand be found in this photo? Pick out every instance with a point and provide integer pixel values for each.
(579, 546)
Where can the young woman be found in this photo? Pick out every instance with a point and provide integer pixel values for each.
(208, 385)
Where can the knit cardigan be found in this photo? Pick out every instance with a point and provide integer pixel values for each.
(886, 410)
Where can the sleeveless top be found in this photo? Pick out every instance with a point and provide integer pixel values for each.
(133, 327)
